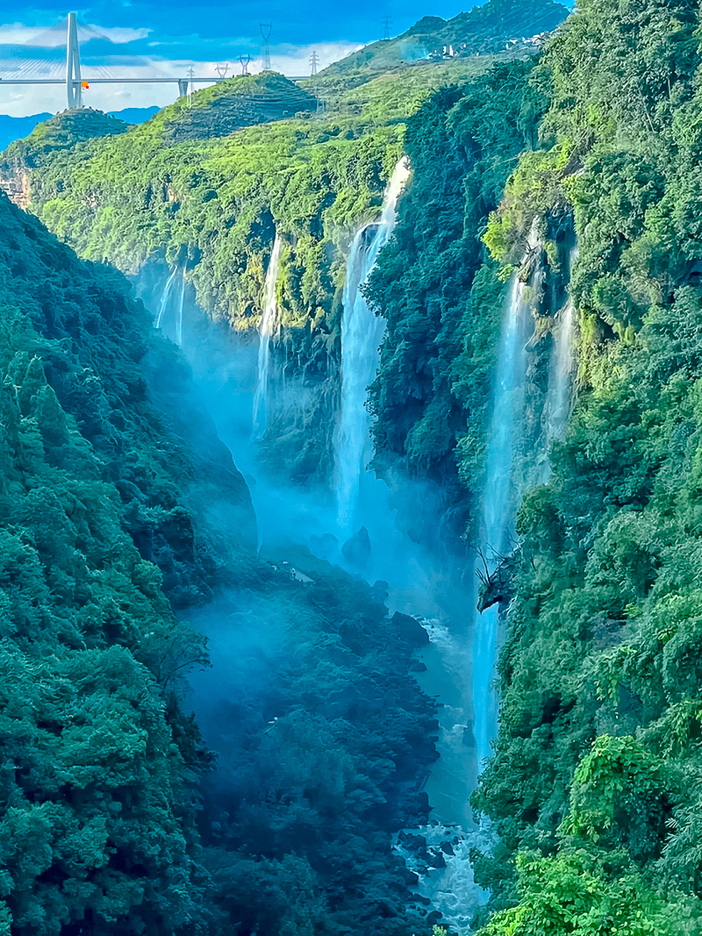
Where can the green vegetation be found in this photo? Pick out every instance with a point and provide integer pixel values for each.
(484, 30)
(440, 293)
(594, 787)
(214, 205)
(115, 817)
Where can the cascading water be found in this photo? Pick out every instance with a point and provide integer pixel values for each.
(165, 295)
(557, 405)
(179, 332)
(265, 331)
(498, 507)
(361, 333)
(560, 377)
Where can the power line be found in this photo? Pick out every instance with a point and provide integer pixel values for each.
(266, 30)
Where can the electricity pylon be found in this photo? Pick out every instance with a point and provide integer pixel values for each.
(386, 27)
(314, 62)
(244, 59)
(266, 30)
(73, 79)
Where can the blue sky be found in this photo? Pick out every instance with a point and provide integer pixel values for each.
(143, 36)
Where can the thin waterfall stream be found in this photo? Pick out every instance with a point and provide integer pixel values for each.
(165, 296)
(499, 506)
(265, 331)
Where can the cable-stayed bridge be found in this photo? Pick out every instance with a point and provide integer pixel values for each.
(75, 81)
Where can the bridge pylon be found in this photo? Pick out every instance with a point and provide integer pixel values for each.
(74, 90)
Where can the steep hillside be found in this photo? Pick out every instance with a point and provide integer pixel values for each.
(484, 30)
(120, 506)
(595, 786)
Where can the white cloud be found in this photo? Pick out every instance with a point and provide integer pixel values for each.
(55, 36)
(22, 100)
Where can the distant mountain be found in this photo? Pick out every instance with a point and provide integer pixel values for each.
(16, 128)
(487, 29)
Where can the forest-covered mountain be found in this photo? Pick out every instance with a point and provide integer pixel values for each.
(213, 206)
(575, 173)
(486, 29)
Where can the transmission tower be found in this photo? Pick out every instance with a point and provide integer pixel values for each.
(222, 70)
(191, 75)
(266, 30)
(386, 27)
(244, 59)
(314, 63)
(73, 79)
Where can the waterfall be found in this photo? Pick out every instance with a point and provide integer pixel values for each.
(164, 296)
(557, 405)
(361, 333)
(560, 376)
(265, 330)
(498, 506)
(179, 332)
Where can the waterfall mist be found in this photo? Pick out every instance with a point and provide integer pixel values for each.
(353, 525)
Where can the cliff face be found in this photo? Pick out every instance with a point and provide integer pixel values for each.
(593, 785)
(15, 184)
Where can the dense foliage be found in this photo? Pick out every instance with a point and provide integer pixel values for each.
(213, 207)
(110, 508)
(595, 788)
(96, 823)
(439, 291)
(595, 783)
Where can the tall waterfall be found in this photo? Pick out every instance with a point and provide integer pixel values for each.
(361, 333)
(165, 295)
(557, 405)
(498, 506)
(179, 331)
(265, 330)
